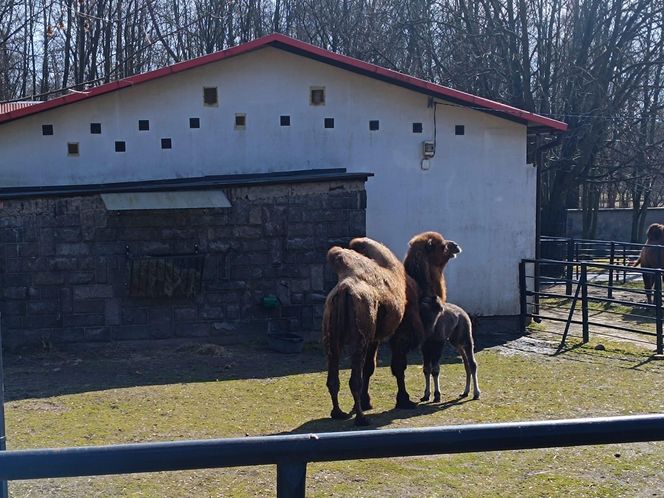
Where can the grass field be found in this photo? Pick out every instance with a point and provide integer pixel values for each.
(123, 394)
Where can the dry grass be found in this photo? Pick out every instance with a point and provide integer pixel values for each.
(191, 393)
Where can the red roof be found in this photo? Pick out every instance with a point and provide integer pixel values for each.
(533, 121)
(12, 106)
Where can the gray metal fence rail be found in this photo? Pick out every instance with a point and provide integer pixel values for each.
(291, 453)
(533, 295)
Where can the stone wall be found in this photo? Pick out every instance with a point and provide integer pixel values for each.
(612, 224)
(64, 264)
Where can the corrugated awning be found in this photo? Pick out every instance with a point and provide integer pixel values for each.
(176, 199)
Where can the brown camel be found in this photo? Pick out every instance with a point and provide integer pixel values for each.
(367, 306)
(428, 254)
(446, 322)
(408, 335)
(652, 257)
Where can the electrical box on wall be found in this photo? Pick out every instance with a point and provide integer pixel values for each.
(428, 149)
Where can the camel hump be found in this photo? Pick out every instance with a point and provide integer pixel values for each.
(375, 251)
(655, 233)
(338, 258)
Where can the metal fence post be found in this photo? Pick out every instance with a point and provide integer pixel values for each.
(523, 303)
(291, 479)
(570, 266)
(4, 491)
(658, 310)
(611, 262)
(583, 281)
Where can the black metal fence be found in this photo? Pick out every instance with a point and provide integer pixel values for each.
(559, 290)
(165, 275)
(291, 453)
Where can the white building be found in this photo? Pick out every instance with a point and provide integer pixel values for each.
(278, 104)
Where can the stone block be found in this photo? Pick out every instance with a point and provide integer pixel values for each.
(16, 279)
(193, 330)
(48, 278)
(317, 276)
(46, 241)
(72, 249)
(68, 335)
(255, 215)
(43, 321)
(69, 234)
(133, 316)
(83, 320)
(112, 312)
(161, 331)
(97, 334)
(92, 291)
(210, 312)
(247, 232)
(88, 306)
(62, 264)
(80, 277)
(188, 314)
(12, 308)
(43, 307)
(130, 332)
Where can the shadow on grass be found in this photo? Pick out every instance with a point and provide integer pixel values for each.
(95, 367)
(376, 419)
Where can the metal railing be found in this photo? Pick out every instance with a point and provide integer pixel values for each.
(605, 251)
(291, 453)
(543, 298)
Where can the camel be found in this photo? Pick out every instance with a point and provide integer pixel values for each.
(652, 257)
(426, 259)
(367, 306)
(409, 334)
(428, 254)
(447, 322)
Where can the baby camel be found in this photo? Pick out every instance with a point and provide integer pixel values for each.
(446, 322)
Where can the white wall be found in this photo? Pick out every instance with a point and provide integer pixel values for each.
(478, 191)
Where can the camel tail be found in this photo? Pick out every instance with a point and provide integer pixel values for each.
(337, 320)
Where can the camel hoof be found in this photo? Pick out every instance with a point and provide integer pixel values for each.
(436, 397)
(425, 398)
(406, 404)
(366, 404)
(476, 395)
(361, 421)
(463, 395)
(337, 414)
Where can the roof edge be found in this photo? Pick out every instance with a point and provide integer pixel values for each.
(287, 43)
(177, 184)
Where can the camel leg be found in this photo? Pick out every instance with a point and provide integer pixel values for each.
(333, 386)
(436, 353)
(648, 282)
(369, 369)
(426, 369)
(356, 383)
(398, 366)
(470, 365)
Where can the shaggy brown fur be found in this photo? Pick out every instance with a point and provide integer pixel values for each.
(446, 322)
(427, 257)
(409, 334)
(652, 257)
(365, 307)
(428, 254)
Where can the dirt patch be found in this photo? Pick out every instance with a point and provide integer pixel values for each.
(205, 350)
(42, 405)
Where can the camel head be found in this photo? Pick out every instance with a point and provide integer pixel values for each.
(655, 233)
(437, 249)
